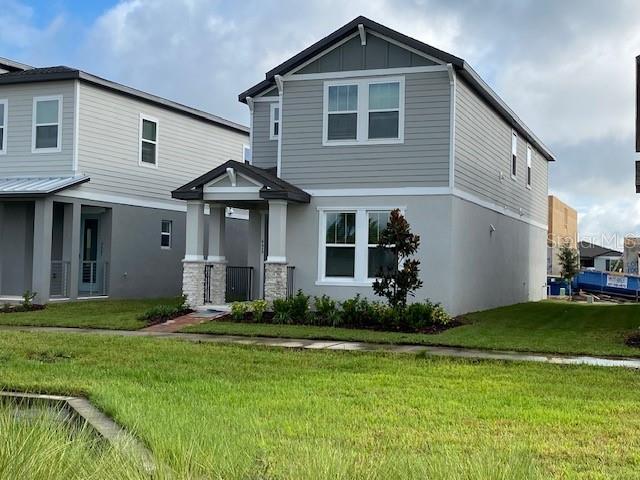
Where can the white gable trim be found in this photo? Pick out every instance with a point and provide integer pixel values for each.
(365, 73)
(226, 175)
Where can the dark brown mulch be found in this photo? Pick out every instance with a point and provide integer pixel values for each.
(633, 340)
(164, 318)
(435, 329)
(21, 308)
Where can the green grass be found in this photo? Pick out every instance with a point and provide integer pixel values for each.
(39, 444)
(113, 314)
(227, 412)
(552, 327)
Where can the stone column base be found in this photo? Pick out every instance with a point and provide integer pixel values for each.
(217, 282)
(275, 281)
(193, 282)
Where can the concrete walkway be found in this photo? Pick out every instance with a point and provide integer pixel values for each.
(351, 346)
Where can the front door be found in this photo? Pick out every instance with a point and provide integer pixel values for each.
(90, 265)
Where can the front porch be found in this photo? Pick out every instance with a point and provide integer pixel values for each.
(207, 277)
(55, 247)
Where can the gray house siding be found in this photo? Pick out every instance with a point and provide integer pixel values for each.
(483, 153)
(19, 159)
(16, 247)
(421, 161)
(108, 149)
(377, 53)
(264, 150)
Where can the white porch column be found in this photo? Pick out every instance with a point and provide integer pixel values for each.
(193, 263)
(216, 261)
(42, 231)
(71, 245)
(275, 268)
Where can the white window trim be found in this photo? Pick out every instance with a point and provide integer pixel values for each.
(58, 148)
(246, 147)
(361, 261)
(514, 134)
(272, 120)
(169, 234)
(3, 146)
(140, 140)
(529, 172)
(362, 132)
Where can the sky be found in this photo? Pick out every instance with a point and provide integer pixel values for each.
(566, 67)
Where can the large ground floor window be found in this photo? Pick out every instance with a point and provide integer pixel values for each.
(349, 251)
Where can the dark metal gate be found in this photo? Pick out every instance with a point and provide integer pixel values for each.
(239, 284)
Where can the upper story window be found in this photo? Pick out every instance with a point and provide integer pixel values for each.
(274, 124)
(148, 141)
(529, 155)
(363, 111)
(514, 154)
(246, 154)
(47, 119)
(165, 234)
(3, 126)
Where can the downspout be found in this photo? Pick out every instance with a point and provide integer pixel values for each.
(280, 85)
(452, 125)
(250, 105)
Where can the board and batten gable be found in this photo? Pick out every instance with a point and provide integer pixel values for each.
(19, 160)
(109, 137)
(421, 160)
(264, 151)
(483, 159)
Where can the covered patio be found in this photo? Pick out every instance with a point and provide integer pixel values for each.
(266, 197)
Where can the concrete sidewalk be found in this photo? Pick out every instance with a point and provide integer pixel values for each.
(453, 352)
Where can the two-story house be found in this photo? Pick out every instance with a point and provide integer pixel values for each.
(86, 170)
(368, 120)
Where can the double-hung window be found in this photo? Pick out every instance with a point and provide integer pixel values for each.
(148, 141)
(349, 251)
(165, 234)
(529, 172)
(3, 126)
(514, 154)
(274, 124)
(363, 111)
(47, 119)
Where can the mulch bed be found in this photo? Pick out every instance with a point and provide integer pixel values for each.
(633, 340)
(21, 308)
(165, 318)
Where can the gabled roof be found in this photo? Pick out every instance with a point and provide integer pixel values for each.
(17, 187)
(12, 66)
(51, 74)
(274, 188)
(460, 65)
(591, 250)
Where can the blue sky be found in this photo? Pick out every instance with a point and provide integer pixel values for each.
(566, 67)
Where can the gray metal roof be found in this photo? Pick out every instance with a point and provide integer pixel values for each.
(37, 186)
(50, 74)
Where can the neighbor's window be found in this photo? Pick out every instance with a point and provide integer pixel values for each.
(529, 154)
(379, 258)
(384, 110)
(165, 234)
(274, 131)
(46, 123)
(340, 246)
(148, 141)
(342, 121)
(514, 154)
(3, 126)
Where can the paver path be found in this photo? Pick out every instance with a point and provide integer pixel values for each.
(179, 323)
(352, 346)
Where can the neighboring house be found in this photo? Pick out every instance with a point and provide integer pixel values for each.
(563, 230)
(599, 258)
(86, 170)
(362, 122)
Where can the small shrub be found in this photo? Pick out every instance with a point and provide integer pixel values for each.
(158, 312)
(27, 299)
(281, 311)
(440, 315)
(299, 307)
(633, 340)
(417, 316)
(359, 312)
(327, 311)
(239, 311)
(258, 307)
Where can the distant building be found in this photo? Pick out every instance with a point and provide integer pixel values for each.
(600, 258)
(563, 229)
(631, 255)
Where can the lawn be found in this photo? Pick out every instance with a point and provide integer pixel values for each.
(223, 411)
(553, 327)
(113, 314)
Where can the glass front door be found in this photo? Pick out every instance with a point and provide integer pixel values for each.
(89, 278)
